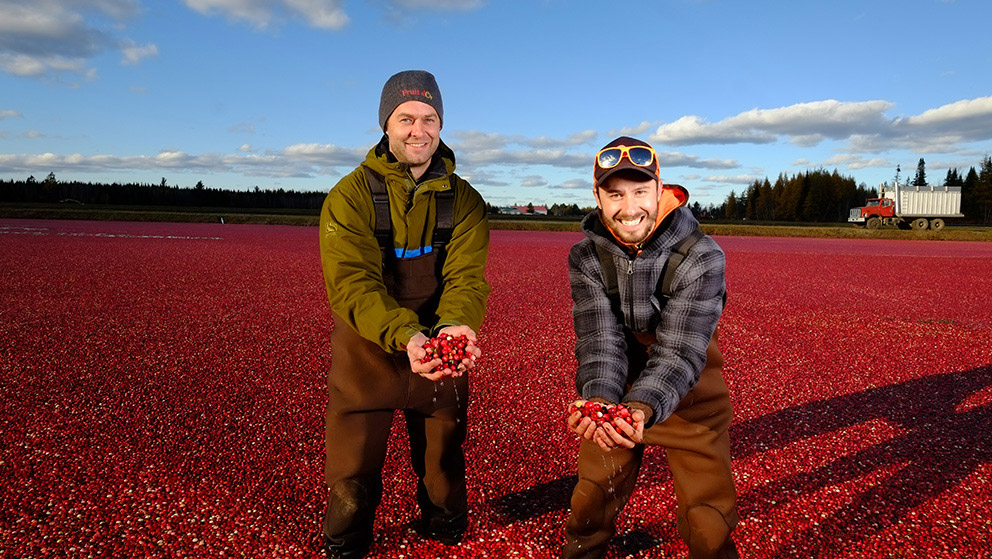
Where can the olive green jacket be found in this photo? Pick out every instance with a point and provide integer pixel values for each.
(352, 262)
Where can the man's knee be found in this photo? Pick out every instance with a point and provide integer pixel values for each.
(707, 533)
(350, 506)
(589, 502)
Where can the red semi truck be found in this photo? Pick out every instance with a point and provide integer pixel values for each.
(910, 207)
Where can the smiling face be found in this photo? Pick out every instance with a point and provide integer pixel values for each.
(414, 130)
(628, 205)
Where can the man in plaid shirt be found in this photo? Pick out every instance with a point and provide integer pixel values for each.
(649, 343)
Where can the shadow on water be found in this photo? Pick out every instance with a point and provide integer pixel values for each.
(940, 443)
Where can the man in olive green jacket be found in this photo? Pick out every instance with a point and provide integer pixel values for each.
(386, 302)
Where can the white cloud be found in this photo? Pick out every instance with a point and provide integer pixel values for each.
(863, 125)
(576, 139)
(46, 38)
(327, 155)
(849, 160)
(676, 159)
(737, 179)
(476, 140)
(322, 14)
(300, 160)
(135, 53)
(36, 66)
(574, 184)
(806, 123)
(245, 148)
(635, 131)
(533, 181)
(10, 114)
(476, 148)
(965, 120)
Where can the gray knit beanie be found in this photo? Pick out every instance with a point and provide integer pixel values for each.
(409, 85)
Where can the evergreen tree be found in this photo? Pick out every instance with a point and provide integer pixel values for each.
(816, 201)
(953, 178)
(969, 205)
(921, 174)
(730, 207)
(983, 191)
(752, 195)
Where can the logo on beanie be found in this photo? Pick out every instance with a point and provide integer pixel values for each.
(423, 93)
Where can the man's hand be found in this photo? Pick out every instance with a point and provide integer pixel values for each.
(415, 352)
(471, 349)
(584, 427)
(630, 434)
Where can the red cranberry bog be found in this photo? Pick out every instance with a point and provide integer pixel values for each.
(162, 393)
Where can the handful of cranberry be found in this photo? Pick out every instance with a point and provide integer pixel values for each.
(451, 350)
(601, 413)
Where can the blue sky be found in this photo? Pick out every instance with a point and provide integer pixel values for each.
(284, 94)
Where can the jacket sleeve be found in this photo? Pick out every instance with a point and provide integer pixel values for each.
(600, 346)
(465, 291)
(687, 323)
(352, 264)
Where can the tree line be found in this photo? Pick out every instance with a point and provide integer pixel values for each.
(813, 196)
(52, 191)
(821, 196)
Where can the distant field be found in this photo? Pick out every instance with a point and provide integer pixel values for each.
(953, 232)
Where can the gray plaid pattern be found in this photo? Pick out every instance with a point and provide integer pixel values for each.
(683, 325)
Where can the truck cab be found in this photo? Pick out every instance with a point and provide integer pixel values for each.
(874, 212)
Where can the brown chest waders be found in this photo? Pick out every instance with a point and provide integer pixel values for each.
(365, 386)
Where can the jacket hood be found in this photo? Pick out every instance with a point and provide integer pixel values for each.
(672, 198)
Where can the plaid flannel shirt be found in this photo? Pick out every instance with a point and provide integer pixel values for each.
(683, 325)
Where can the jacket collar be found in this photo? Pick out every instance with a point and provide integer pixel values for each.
(380, 159)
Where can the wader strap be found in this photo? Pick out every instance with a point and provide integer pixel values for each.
(679, 252)
(380, 202)
(610, 275)
(445, 206)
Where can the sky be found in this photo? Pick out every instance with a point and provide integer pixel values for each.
(241, 94)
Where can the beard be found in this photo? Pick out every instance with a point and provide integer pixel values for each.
(629, 233)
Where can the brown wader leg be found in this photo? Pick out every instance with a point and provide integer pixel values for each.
(436, 421)
(358, 422)
(365, 386)
(698, 450)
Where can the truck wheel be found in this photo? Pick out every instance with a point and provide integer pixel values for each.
(936, 224)
(873, 223)
(920, 224)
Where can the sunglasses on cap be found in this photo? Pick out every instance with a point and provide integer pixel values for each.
(641, 156)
